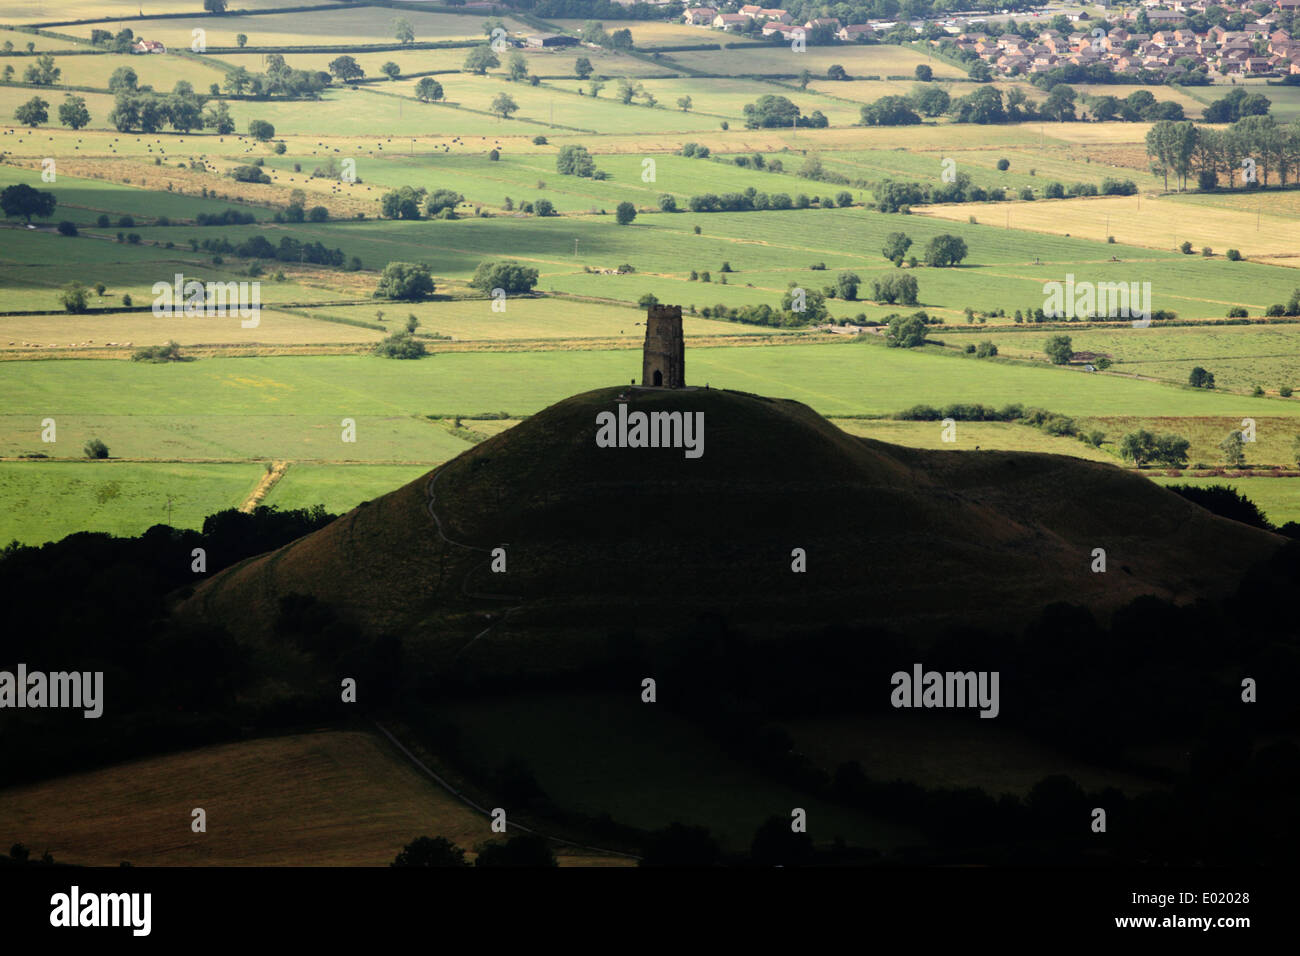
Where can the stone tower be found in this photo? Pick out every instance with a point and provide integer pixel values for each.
(663, 361)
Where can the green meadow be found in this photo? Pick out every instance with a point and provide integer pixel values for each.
(48, 500)
(835, 379)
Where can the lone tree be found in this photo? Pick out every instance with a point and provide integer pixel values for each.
(402, 30)
(391, 70)
(945, 250)
(95, 449)
(1233, 449)
(846, 285)
(346, 68)
(480, 60)
(906, 333)
(33, 113)
(625, 213)
(406, 281)
(1059, 349)
(503, 105)
(1200, 378)
(73, 112)
(517, 65)
(73, 297)
(428, 90)
(574, 160)
(507, 275)
(22, 200)
(261, 130)
(582, 68)
(1138, 447)
(1171, 450)
(430, 851)
(896, 246)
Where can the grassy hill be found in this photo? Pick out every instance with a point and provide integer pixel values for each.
(600, 540)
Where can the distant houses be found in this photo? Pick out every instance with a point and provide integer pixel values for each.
(148, 46)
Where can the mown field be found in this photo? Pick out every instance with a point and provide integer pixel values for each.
(339, 798)
(1157, 223)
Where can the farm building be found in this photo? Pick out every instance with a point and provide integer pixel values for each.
(550, 40)
(148, 46)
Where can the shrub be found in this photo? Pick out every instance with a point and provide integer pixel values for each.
(67, 228)
(1234, 255)
(405, 280)
(1285, 391)
(73, 297)
(96, 449)
(1003, 165)
(1059, 349)
(1237, 312)
(157, 354)
(1185, 248)
(102, 221)
(986, 349)
(508, 275)
(400, 345)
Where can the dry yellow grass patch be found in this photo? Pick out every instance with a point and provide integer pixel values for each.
(338, 798)
(1153, 222)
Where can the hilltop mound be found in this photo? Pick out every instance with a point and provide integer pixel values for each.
(600, 541)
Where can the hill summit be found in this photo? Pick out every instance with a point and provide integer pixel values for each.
(534, 544)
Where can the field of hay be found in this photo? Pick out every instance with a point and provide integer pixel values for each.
(1155, 222)
(340, 798)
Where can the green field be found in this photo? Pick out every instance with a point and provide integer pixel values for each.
(1240, 356)
(1278, 498)
(340, 488)
(48, 500)
(309, 432)
(834, 379)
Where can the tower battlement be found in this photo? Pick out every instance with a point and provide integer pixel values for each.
(663, 360)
